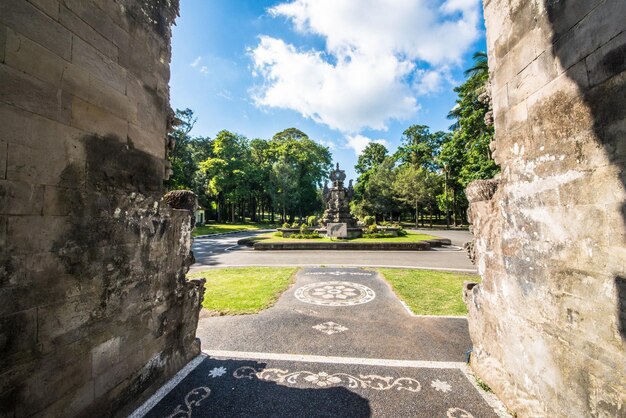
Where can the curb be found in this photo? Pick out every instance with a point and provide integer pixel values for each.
(232, 232)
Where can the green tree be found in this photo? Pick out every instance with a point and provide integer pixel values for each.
(411, 186)
(181, 158)
(420, 147)
(373, 155)
(465, 154)
(311, 162)
(376, 196)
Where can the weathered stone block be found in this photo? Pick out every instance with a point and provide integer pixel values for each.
(96, 120)
(607, 61)
(49, 163)
(93, 15)
(49, 7)
(4, 151)
(3, 41)
(105, 355)
(98, 64)
(27, 56)
(19, 198)
(26, 19)
(149, 142)
(80, 83)
(48, 228)
(18, 333)
(536, 75)
(594, 30)
(79, 28)
(28, 93)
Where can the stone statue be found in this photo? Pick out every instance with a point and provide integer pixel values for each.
(338, 200)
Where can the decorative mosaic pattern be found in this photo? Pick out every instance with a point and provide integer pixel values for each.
(192, 400)
(335, 294)
(217, 371)
(458, 413)
(330, 328)
(323, 379)
(339, 273)
(441, 386)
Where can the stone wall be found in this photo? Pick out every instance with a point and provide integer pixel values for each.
(548, 321)
(94, 308)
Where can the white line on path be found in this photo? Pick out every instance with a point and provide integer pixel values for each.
(202, 267)
(167, 387)
(334, 360)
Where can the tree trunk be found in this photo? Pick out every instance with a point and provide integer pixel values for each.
(430, 213)
(416, 213)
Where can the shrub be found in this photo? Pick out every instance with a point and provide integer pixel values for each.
(285, 225)
(369, 220)
(304, 229)
(295, 225)
(312, 221)
(304, 236)
(372, 229)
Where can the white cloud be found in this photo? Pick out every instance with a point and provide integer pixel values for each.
(204, 69)
(382, 54)
(359, 142)
(196, 62)
(428, 82)
(225, 94)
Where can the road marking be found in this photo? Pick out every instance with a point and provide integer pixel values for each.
(203, 267)
(167, 387)
(305, 358)
(231, 247)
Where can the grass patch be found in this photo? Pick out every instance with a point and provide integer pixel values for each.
(429, 292)
(409, 237)
(245, 290)
(220, 228)
(482, 385)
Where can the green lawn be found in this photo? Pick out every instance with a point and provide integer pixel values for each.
(429, 292)
(410, 237)
(245, 290)
(219, 228)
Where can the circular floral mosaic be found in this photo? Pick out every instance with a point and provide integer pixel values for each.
(335, 294)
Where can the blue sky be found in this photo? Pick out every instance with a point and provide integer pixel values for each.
(344, 71)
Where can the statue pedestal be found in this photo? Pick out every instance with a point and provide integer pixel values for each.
(350, 233)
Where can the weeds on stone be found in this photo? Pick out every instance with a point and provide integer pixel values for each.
(482, 385)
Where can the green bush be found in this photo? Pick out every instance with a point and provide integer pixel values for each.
(378, 235)
(369, 220)
(295, 225)
(278, 234)
(304, 229)
(312, 221)
(372, 229)
(285, 225)
(304, 236)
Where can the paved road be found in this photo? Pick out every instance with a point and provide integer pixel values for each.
(223, 251)
(338, 343)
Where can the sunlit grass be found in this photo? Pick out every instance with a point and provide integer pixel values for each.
(429, 292)
(410, 237)
(244, 290)
(220, 228)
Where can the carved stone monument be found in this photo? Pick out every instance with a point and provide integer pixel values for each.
(338, 207)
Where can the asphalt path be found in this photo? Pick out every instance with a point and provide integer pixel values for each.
(223, 251)
(338, 343)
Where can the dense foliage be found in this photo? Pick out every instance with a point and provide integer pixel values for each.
(236, 178)
(430, 170)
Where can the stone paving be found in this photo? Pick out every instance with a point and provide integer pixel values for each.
(338, 343)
